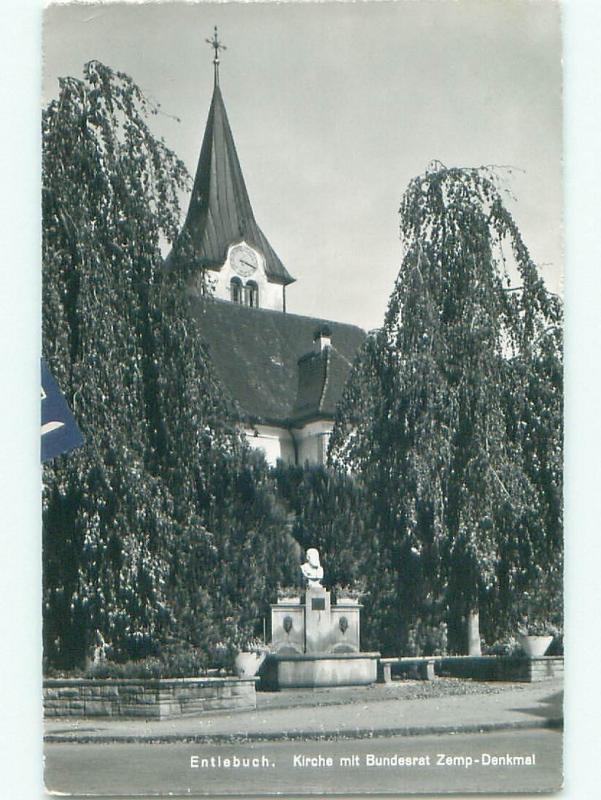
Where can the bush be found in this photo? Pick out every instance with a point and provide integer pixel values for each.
(174, 661)
(146, 668)
(503, 647)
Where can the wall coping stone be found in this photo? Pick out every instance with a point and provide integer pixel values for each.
(487, 658)
(145, 682)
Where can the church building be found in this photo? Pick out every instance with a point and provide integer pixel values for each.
(285, 371)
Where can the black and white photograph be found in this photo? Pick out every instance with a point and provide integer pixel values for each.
(302, 398)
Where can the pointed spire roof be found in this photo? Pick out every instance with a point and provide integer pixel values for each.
(220, 213)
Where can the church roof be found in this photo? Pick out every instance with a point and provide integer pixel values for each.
(257, 352)
(220, 213)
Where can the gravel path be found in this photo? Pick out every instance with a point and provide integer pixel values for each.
(397, 690)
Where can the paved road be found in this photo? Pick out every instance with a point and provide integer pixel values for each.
(144, 769)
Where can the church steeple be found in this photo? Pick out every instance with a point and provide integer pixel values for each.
(220, 214)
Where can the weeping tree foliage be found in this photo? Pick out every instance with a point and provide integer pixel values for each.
(144, 527)
(109, 193)
(452, 417)
(329, 514)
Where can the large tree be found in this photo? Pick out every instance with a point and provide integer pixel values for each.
(146, 537)
(109, 193)
(452, 415)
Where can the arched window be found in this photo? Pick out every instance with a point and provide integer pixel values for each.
(252, 294)
(236, 291)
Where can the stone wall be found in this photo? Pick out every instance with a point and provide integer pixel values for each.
(150, 699)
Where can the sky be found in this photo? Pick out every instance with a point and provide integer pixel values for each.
(335, 107)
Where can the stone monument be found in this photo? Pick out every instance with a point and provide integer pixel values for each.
(314, 642)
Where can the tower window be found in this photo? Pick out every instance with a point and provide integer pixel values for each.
(252, 294)
(236, 290)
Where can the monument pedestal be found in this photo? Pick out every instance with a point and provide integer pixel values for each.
(316, 644)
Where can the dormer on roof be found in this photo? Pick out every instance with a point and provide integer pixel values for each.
(322, 338)
(220, 225)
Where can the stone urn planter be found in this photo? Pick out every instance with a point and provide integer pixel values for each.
(350, 594)
(534, 646)
(247, 665)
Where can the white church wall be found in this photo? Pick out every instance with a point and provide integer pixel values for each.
(276, 443)
(306, 445)
(312, 442)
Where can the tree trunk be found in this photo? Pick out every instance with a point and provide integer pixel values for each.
(473, 634)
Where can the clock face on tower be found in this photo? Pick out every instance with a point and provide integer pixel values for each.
(244, 261)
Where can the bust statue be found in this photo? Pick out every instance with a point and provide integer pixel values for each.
(312, 569)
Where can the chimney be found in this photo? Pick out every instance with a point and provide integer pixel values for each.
(322, 338)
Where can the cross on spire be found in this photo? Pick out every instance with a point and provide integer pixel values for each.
(217, 46)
